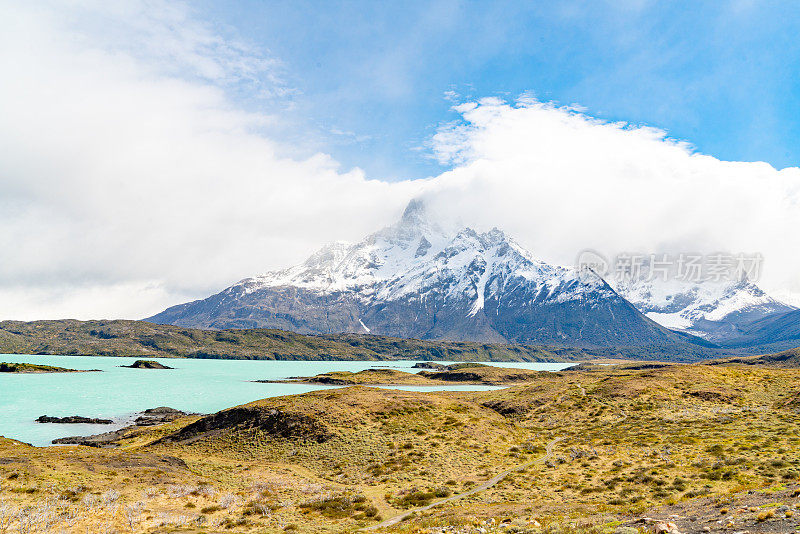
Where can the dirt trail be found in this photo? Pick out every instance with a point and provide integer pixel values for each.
(486, 485)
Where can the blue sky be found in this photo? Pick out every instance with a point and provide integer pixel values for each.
(368, 79)
(156, 151)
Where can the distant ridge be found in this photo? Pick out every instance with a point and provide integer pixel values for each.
(140, 339)
(144, 339)
(788, 359)
(777, 331)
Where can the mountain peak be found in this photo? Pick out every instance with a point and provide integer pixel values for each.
(415, 213)
(417, 221)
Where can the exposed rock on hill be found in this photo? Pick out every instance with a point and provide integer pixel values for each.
(275, 422)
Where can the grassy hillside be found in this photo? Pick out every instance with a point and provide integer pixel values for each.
(788, 359)
(143, 339)
(717, 446)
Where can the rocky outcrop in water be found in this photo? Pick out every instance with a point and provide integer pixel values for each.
(146, 364)
(73, 419)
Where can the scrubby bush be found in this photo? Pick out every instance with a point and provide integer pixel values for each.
(339, 506)
(416, 498)
(766, 514)
(210, 509)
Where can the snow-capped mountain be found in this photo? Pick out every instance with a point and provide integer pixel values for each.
(714, 310)
(415, 279)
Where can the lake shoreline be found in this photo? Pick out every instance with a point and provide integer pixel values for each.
(194, 386)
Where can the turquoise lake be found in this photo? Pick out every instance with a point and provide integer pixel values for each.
(202, 386)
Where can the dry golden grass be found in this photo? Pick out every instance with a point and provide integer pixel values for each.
(338, 460)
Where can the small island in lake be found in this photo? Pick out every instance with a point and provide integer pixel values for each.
(6, 367)
(146, 364)
(73, 419)
(460, 373)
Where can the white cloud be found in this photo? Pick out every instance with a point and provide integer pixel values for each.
(124, 166)
(562, 181)
(123, 300)
(129, 180)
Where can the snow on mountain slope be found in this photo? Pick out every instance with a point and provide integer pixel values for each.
(714, 310)
(416, 279)
(412, 256)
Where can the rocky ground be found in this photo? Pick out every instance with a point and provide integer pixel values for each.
(765, 510)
